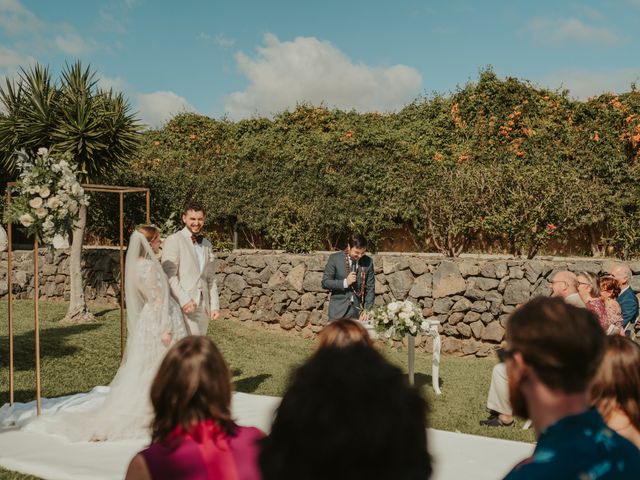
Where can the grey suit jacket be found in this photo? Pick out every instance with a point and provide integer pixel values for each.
(333, 280)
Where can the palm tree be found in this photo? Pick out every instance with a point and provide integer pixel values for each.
(73, 117)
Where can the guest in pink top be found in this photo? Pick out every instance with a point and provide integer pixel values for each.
(193, 434)
(609, 291)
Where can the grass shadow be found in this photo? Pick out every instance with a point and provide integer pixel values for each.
(102, 312)
(423, 379)
(53, 344)
(251, 384)
(19, 396)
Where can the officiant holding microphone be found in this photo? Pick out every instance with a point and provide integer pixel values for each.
(350, 278)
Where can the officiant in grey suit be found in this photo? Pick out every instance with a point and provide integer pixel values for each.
(350, 278)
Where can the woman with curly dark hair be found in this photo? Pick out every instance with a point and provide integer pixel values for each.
(193, 434)
(348, 415)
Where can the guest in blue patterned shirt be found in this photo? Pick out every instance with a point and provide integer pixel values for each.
(553, 352)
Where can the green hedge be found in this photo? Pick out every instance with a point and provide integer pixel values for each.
(497, 160)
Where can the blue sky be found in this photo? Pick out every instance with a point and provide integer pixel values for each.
(242, 58)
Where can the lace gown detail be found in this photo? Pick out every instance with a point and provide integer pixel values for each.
(123, 409)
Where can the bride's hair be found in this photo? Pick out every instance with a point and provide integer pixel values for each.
(192, 384)
(149, 231)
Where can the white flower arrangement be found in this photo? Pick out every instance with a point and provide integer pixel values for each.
(49, 196)
(397, 319)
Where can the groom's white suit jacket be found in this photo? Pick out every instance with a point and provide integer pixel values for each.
(187, 280)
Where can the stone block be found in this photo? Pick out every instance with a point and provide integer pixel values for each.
(447, 280)
(295, 277)
(464, 330)
(517, 291)
(313, 282)
(479, 306)
(516, 272)
(422, 286)
(455, 318)
(302, 318)
(474, 293)
(418, 266)
(493, 332)
(442, 305)
(469, 268)
(471, 317)
(235, 283)
(476, 328)
(461, 305)
(380, 287)
(287, 321)
(451, 345)
(470, 347)
(486, 318)
(400, 283)
(483, 283)
(488, 270)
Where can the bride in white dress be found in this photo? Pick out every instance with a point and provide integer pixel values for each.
(123, 409)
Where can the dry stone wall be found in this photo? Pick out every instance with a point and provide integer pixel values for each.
(471, 297)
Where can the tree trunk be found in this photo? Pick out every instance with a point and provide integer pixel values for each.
(78, 311)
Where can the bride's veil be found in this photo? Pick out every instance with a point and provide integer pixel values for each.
(138, 248)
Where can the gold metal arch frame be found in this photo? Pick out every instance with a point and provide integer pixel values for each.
(36, 281)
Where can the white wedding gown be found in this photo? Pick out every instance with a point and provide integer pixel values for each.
(123, 409)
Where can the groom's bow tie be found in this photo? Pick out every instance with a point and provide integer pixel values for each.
(197, 238)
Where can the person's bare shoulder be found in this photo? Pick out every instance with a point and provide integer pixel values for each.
(138, 469)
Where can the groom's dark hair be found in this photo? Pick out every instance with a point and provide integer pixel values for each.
(357, 241)
(193, 205)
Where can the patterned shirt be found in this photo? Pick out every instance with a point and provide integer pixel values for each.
(580, 447)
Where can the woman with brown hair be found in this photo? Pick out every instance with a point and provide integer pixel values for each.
(615, 391)
(193, 434)
(609, 291)
(343, 332)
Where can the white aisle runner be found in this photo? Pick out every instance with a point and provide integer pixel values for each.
(456, 455)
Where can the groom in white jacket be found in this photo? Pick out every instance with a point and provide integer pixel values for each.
(187, 261)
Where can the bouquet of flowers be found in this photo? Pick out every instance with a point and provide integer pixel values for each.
(49, 196)
(398, 319)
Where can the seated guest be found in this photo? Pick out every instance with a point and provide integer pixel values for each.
(627, 297)
(609, 290)
(564, 284)
(553, 353)
(589, 291)
(500, 413)
(363, 422)
(193, 434)
(616, 388)
(342, 333)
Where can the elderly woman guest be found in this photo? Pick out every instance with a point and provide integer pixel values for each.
(615, 391)
(589, 291)
(609, 291)
(193, 434)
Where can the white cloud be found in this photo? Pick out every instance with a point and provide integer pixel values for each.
(154, 109)
(117, 84)
(583, 84)
(309, 70)
(570, 30)
(15, 19)
(11, 60)
(71, 44)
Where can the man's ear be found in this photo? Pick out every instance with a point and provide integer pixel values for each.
(521, 367)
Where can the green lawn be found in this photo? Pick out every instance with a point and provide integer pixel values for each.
(76, 358)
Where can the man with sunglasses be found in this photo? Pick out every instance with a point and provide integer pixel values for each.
(627, 297)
